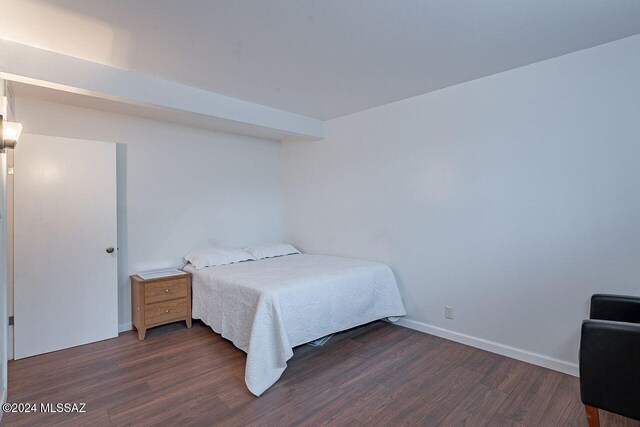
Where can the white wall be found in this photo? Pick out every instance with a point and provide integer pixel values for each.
(512, 198)
(3, 262)
(178, 187)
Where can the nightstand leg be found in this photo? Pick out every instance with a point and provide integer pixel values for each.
(188, 322)
(141, 333)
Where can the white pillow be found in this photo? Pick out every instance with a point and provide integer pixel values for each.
(216, 256)
(269, 250)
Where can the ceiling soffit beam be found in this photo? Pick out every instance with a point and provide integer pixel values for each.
(50, 70)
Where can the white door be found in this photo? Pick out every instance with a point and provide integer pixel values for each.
(65, 283)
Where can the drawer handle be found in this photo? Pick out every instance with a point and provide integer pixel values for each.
(166, 311)
(166, 290)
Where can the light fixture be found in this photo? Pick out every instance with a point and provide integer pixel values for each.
(9, 134)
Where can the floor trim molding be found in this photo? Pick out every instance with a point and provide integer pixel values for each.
(3, 399)
(124, 327)
(493, 347)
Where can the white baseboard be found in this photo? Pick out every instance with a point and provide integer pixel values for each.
(124, 327)
(493, 347)
(3, 399)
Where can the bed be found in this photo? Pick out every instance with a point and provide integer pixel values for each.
(269, 306)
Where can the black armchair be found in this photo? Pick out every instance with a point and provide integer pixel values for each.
(610, 357)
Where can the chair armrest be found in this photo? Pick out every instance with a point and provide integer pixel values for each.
(618, 308)
(610, 366)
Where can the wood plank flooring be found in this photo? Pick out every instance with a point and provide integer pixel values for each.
(377, 374)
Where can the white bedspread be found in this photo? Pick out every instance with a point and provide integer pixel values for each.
(267, 307)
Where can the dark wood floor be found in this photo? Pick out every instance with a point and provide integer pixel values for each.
(377, 374)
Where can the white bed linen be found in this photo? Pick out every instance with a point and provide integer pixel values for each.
(269, 306)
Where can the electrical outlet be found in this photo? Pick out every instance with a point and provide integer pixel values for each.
(448, 312)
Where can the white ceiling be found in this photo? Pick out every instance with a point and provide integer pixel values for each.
(320, 58)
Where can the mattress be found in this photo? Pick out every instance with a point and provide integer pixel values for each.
(269, 306)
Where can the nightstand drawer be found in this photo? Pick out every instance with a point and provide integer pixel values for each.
(166, 290)
(165, 311)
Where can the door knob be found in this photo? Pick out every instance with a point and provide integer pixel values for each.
(110, 250)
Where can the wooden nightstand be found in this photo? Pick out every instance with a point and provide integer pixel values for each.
(159, 300)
